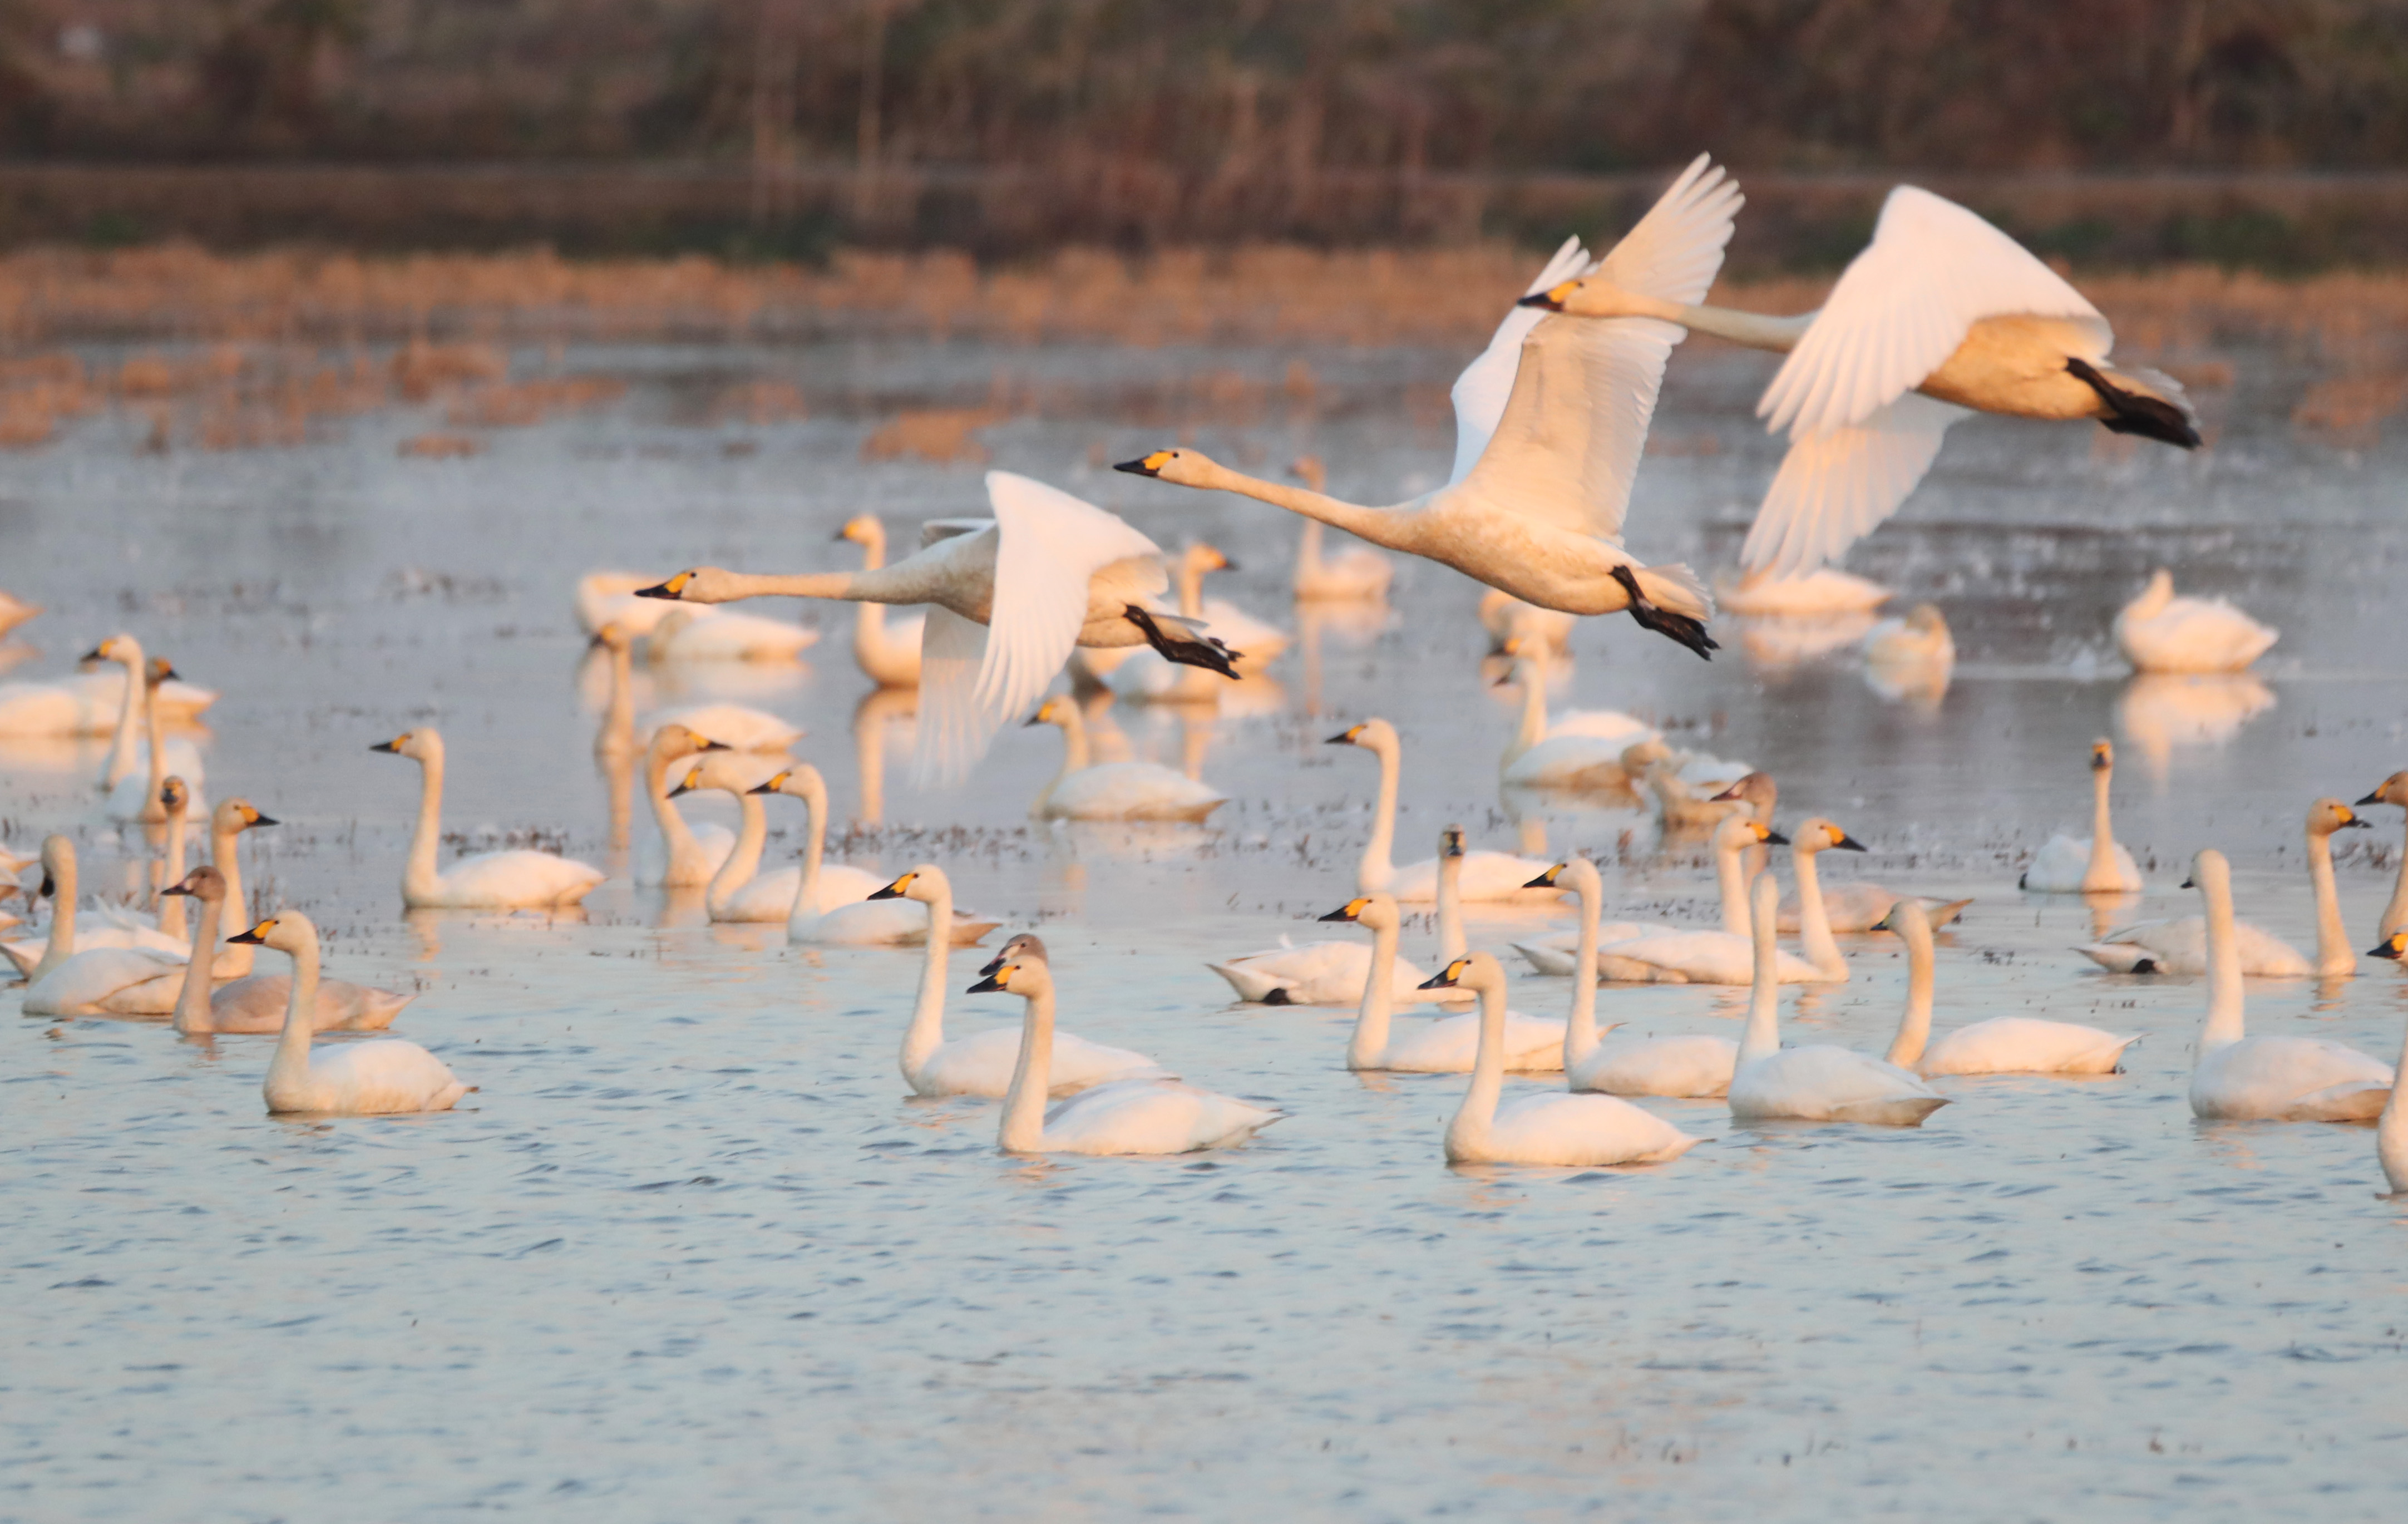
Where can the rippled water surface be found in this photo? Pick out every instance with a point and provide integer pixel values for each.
(689, 1252)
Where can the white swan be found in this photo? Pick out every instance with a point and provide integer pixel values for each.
(356, 1079)
(1583, 752)
(887, 654)
(1539, 514)
(2393, 790)
(1558, 953)
(1687, 1065)
(981, 1063)
(2158, 632)
(2238, 1078)
(1941, 316)
(513, 880)
(1126, 1116)
(1086, 790)
(1821, 1083)
(2000, 1046)
(257, 1004)
(1355, 574)
(2096, 864)
(1446, 1045)
(1006, 604)
(1701, 956)
(738, 891)
(1552, 1127)
(167, 913)
(1486, 875)
(690, 856)
(2179, 946)
(138, 795)
(835, 904)
(700, 634)
(34, 959)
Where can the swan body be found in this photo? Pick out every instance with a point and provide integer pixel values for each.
(701, 634)
(1445, 1046)
(981, 1063)
(1088, 790)
(1658, 1066)
(2158, 632)
(1354, 574)
(888, 653)
(119, 932)
(1822, 1083)
(1824, 590)
(1582, 751)
(1314, 973)
(2096, 864)
(1126, 1116)
(2002, 1045)
(2179, 946)
(1558, 1126)
(357, 1079)
(89, 704)
(2240, 1078)
(1940, 317)
(1006, 604)
(691, 856)
(258, 1002)
(1701, 957)
(2393, 790)
(1488, 876)
(1865, 907)
(108, 981)
(513, 880)
(835, 904)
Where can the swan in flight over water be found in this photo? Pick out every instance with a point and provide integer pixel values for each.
(1006, 602)
(1550, 425)
(1941, 316)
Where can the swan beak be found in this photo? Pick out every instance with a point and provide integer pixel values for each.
(1446, 977)
(258, 820)
(682, 790)
(1453, 841)
(168, 674)
(2187, 883)
(1228, 565)
(1550, 300)
(93, 655)
(393, 745)
(2353, 824)
(1345, 737)
(256, 936)
(673, 588)
(1547, 879)
(993, 981)
(709, 745)
(1146, 465)
(2371, 799)
(2100, 761)
(996, 963)
(1347, 911)
(50, 887)
(175, 888)
(1849, 843)
(776, 783)
(1038, 718)
(895, 890)
(2394, 947)
(841, 535)
(1774, 839)
(1883, 925)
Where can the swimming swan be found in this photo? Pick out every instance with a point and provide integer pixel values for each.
(257, 1004)
(356, 1079)
(2000, 1046)
(1539, 514)
(2179, 946)
(1822, 1083)
(1552, 1126)
(1086, 790)
(34, 959)
(1447, 1045)
(2393, 790)
(1355, 574)
(835, 904)
(981, 1063)
(2096, 864)
(1125, 1116)
(690, 855)
(1941, 315)
(133, 791)
(1583, 752)
(887, 654)
(2158, 632)
(1690, 1065)
(1701, 957)
(167, 913)
(512, 879)
(2238, 1078)
(1006, 604)
(1486, 875)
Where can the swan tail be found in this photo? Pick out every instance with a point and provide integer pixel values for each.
(1180, 640)
(2138, 409)
(1672, 602)
(2119, 956)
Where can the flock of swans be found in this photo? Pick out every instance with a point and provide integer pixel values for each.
(1940, 317)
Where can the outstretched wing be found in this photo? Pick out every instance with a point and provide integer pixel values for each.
(1568, 444)
(949, 736)
(1903, 306)
(1835, 486)
(1480, 392)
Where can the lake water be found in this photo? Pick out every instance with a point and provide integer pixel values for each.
(690, 1253)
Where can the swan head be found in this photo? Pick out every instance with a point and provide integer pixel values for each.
(2392, 790)
(1757, 790)
(1737, 833)
(1903, 917)
(2327, 816)
(1588, 296)
(1201, 557)
(1022, 947)
(58, 862)
(232, 818)
(424, 744)
(1821, 835)
(1184, 467)
(159, 669)
(701, 584)
(1372, 735)
(1028, 977)
(205, 883)
(797, 781)
(118, 648)
(925, 883)
(1376, 911)
(1577, 875)
(673, 740)
(1476, 970)
(862, 529)
(2209, 874)
(611, 636)
(2102, 755)
(1054, 711)
(287, 931)
(2394, 947)
(173, 796)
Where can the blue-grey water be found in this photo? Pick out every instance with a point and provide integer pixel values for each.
(690, 1253)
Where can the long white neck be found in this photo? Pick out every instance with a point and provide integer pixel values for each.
(1579, 1030)
(1451, 942)
(1467, 1134)
(1024, 1105)
(130, 715)
(152, 810)
(1915, 1022)
(1753, 330)
(927, 1033)
(1731, 877)
(192, 1014)
(617, 732)
(2102, 873)
(2395, 914)
(1075, 754)
(225, 856)
(1379, 863)
(61, 946)
(2224, 1025)
(1369, 1048)
(1813, 922)
(1401, 531)
(2334, 956)
(419, 879)
(806, 891)
(1763, 1035)
(170, 907)
(679, 841)
(744, 858)
(289, 1068)
(1533, 729)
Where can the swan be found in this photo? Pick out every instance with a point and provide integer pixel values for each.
(513, 880)
(1921, 640)
(838, 905)
(2158, 632)
(136, 796)
(15, 612)
(1559, 952)
(33, 959)
(1941, 316)
(981, 1063)
(1486, 875)
(1146, 678)
(92, 703)
(1539, 513)
(1821, 1083)
(1701, 956)
(608, 597)
(887, 654)
(1805, 594)
(1581, 753)
(700, 634)
(178, 701)
(2096, 864)
(1813, 838)
(2179, 946)
(2238, 1078)
(357, 1079)
(108, 981)
(1050, 573)
(738, 891)
(1552, 1127)
(2002, 1044)
(690, 855)
(1507, 618)
(257, 1002)
(1695, 1065)
(1446, 1045)
(1086, 790)
(2393, 790)
(1356, 574)
(1126, 1116)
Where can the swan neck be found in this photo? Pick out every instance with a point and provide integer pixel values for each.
(2333, 954)
(1813, 922)
(193, 1002)
(2101, 874)
(744, 858)
(1191, 588)
(2225, 1012)
(674, 834)
(1452, 943)
(1731, 876)
(1381, 526)
(419, 878)
(291, 1065)
(1534, 709)
(1915, 1022)
(810, 585)
(1749, 330)
(61, 945)
(1368, 1047)
(1379, 861)
(1763, 1035)
(806, 891)
(618, 719)
(170, 907)
(2395, 914)
(1075, 753)
(1476, 1117)
(1023, 1106)
(1579, 1030)
(927, 1033)
(130, 713)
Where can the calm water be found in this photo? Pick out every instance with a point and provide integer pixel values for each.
(690, 1253)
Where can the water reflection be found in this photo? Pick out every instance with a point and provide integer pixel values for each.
(2161, 711)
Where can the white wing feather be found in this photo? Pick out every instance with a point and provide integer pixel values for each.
(1480, 392)
(1675, 251)
(1570, 443)
(1835, 486)
(949, 735)
(1903, 306)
